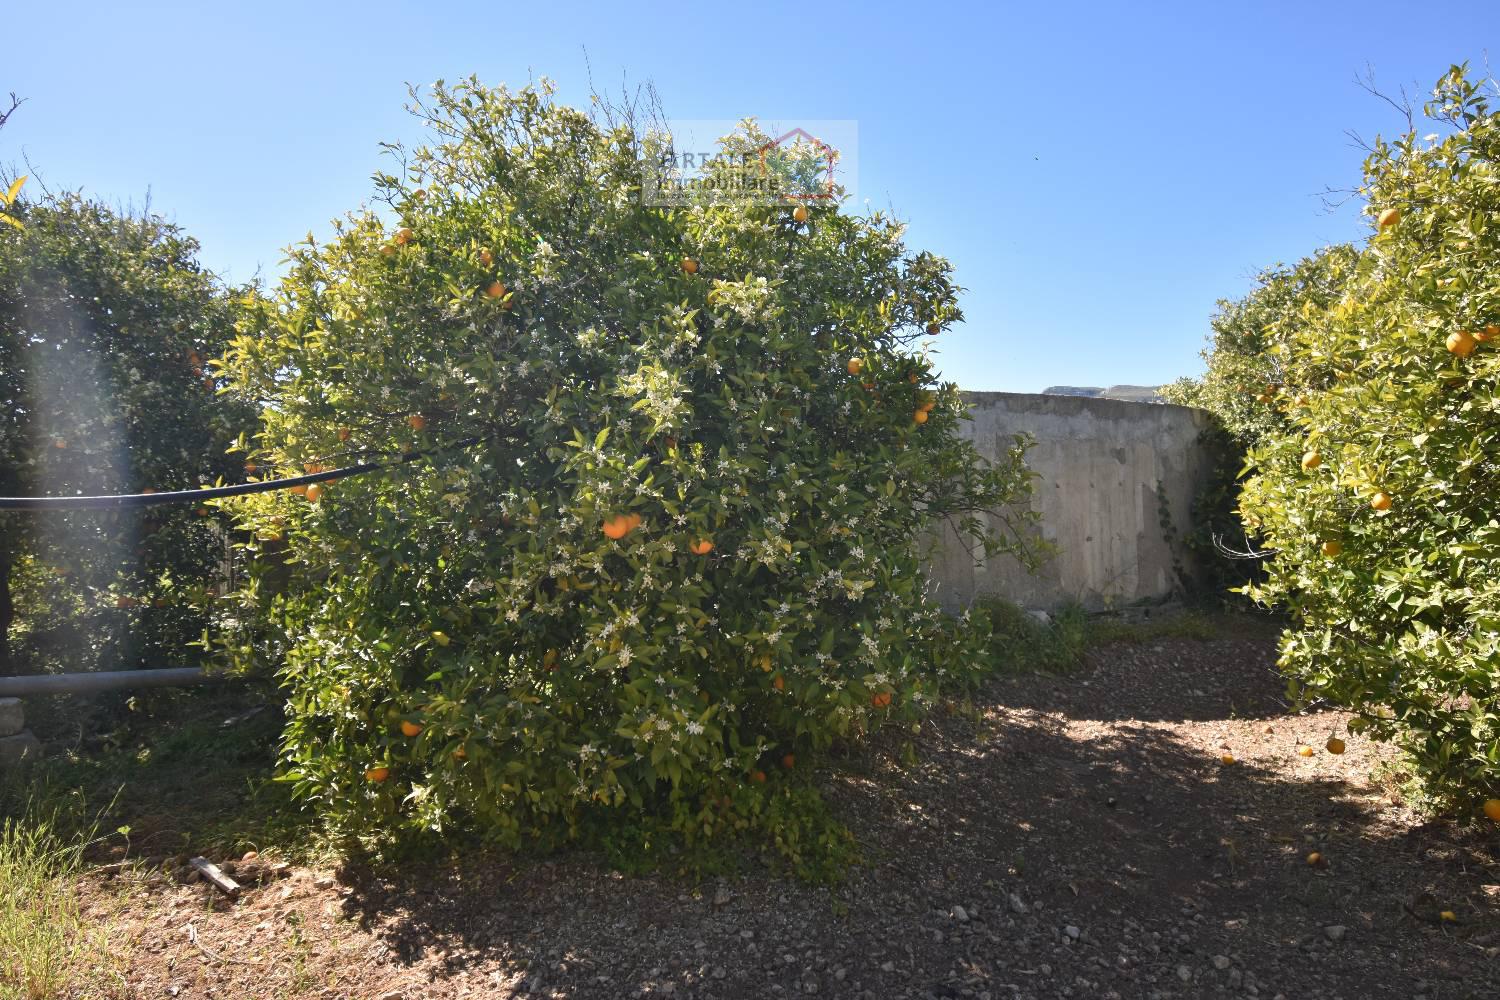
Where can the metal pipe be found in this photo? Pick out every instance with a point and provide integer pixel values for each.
(105, 680)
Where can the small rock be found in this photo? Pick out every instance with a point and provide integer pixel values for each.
(393, 995)
(327, 882)
(1184, 973)
(720, 972)
(1335, 932)
(747, 935)
(840, 973)
(667, 989)
(722, 897)
(887, 966)
(960, 914)
(1016, 905)
(1221, 962)
(1072, 932)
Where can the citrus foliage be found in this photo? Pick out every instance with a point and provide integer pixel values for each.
(673, 542)
(1375, 487)
(106, 325)
(1253, 385)
(1252, 382)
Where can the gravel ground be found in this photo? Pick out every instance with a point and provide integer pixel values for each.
(1068, 837)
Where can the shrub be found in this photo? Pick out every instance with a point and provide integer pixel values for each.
(1253, 379)
(1377, 494)
(1252, 385)
(108, 325)
(672, 531)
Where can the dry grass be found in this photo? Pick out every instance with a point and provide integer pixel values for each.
(47, 948)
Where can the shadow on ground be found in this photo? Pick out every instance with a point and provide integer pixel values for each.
(1096, 845)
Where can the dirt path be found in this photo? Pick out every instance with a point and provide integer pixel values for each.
(1075, 837)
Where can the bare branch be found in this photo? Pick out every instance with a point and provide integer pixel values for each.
(1249, 553)
(15, 102)
(1367, 84)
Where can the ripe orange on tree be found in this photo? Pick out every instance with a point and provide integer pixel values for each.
(621, 525)
(778, 682)
(1488, 333)
(799, 214)
(495, 290)
(416, 422)
(376, 775)
(920, 416)
(343, 433)
(759, 777)
(789, 761)
(1388, 217)
(485, 257)
(402, 237)
(1332, 547)
(313, 492)
(934, 328)
(701, 547)
(855, 367)
(690, 265)
(1492, 809)
(1312, 459)
(1381, 501)
(410, 728)
(1461, 343)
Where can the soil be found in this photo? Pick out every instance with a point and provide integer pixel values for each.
(1074, 836)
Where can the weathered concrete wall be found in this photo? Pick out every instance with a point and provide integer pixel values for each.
(1098, 463)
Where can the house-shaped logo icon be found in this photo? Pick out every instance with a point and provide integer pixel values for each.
(799, 166)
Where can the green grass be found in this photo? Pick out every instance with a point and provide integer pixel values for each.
(1019, 643)
(46, 945)
(164, 766)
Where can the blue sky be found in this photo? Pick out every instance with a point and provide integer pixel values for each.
(1098, 173)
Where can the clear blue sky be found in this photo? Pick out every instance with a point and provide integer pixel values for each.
(1098, 173)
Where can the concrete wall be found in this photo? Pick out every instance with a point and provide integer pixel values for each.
(1099, 463)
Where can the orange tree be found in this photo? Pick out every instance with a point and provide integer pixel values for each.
(1378, 496)
(669, 540)
(107, 326)
(1253, 382)
(1254, 386)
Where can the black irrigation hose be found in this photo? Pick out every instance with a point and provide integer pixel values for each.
(132, 500)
